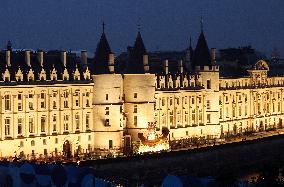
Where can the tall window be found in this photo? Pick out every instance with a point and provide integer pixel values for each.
(193, 116)
(31, 104)
(7, 102)
(87, 102)
(110, 144)
(107, 110)
(107, 122)
(77, 97)
(20, 126)
(200, 115)
(77, 121)
(42, 123)
(54, 104)
(31, 125)
(65, 122)
(208, 118)
(7, 126)
(135, 120)
(135, 95)
(87, 121)
(65, 95)
(87, 99)
(106, 96)
(42, 98)
(54, 123)
(20, 102)
(135, 109)
(171, 118)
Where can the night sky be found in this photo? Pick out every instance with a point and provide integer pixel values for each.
(166, 24)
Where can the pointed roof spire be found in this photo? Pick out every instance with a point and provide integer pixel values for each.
(139, 25)
(201, 56)
(103, 24)
(139, 44)
(103, 50)
(201, 24)
(135, 63)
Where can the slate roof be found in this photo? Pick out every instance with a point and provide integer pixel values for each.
(201, 55)
(100, 64)
(135, 61)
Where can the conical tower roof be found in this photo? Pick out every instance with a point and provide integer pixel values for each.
(101, 58)
(135, 62)
(139, 44)
(202, 55)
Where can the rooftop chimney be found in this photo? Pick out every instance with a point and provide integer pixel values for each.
(111, 62)
(84, 57)
(28, 57)
(63, 58)
(146, 63)
(180, 66)
(166, 66)
(8, 58)
(40, 57)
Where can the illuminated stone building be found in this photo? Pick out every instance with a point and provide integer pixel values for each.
(62, 106)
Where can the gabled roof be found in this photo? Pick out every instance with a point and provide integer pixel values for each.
(201, 55)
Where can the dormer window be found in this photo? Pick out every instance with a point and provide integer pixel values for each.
(31, 75)
(42, 75)
(65, 75)
(19, 75)
(6, 75)
(87, 74)
(53, 74)
(76, 74)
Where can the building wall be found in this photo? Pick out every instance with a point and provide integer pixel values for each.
(139, 92)
(37, 112)
(96, 115)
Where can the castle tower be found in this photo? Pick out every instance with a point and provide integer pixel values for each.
(139, 91)
(101, 59)
(107, 102)
(202, 64)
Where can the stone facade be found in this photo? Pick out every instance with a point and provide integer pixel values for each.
(39, 117)
(63, 108)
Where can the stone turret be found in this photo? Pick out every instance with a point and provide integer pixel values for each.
(139, 91)
(209, 75)
(137, 62)
(102, 54)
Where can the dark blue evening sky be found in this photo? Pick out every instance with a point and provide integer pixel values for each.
(166, 24)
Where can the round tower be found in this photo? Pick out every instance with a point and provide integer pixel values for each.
(107, 104)
(107, 100)
(139, 91)
(139, 101)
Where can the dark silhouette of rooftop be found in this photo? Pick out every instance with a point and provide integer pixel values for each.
(135, 61)
(100, 64)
